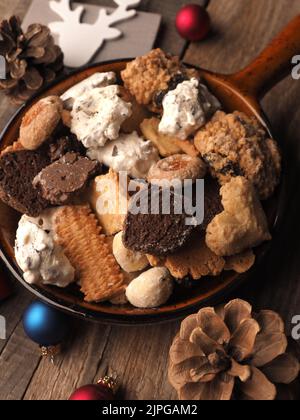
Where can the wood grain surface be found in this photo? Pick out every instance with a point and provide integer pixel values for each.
(139, 356)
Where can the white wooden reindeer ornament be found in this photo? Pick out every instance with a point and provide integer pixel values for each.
(81, 41)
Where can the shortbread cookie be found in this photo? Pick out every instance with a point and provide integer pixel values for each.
(17, 171)
(150, 230)
(61, 181)
(242, 225)
(104, 197)
(129, 261)
(89, 252)
(240, 263)
(166, 145)
(40, 121)
(195, 260)
(151, 289)
(177, 167)
(237, 145)
(149, 78)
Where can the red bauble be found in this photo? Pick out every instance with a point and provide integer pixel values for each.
(193, 22)
(97, 392)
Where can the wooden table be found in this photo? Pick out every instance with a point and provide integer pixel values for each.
(139, 355)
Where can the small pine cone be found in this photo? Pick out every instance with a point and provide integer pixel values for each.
(32, 58)
(231, 354)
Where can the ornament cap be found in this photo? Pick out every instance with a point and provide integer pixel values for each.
(109, 382)
(50, 351)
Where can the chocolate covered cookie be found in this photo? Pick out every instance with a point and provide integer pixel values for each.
(150, 228)
(60, 181)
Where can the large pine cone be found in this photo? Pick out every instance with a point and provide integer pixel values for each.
(231, 354)
(32, 58)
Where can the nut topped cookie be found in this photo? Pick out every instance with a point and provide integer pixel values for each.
(237, 145)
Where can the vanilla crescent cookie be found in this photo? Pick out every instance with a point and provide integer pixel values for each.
(177, 167)
(242, 224)
(40, 121)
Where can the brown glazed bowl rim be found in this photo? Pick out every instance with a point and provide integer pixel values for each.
(138, 317)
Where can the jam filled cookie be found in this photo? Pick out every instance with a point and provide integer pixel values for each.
(177, 167)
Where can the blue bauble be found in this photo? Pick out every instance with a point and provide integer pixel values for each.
(45, 325)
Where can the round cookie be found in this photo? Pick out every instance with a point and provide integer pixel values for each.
(129, 261)
(177, 167)
(150, 230)
(151, 289)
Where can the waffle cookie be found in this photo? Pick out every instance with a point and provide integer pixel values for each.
(89, 252)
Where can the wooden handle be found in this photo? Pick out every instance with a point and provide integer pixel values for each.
(273, 64)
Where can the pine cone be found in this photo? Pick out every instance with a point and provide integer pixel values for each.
(230, 354)
(32, 58)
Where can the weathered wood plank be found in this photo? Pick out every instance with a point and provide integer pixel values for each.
(18, 362)
(76, 366)
(140, 356)
(12, 310)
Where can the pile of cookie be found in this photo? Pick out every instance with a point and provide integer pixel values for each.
(70, 170)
